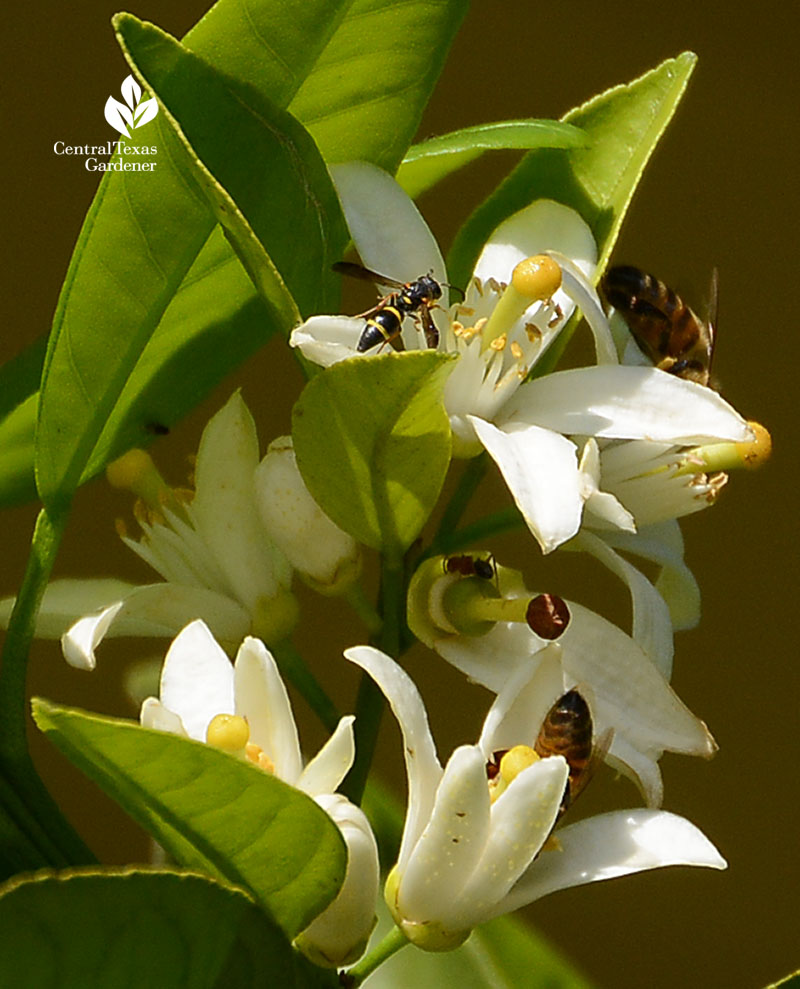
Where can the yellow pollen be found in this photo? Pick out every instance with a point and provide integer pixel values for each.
(533, 332)
(757, 451)
(515, 760)
(499, 343)
(457, 327)
(464, 310)
(538, 277)
(478, 286)
(121, 528)
(480, 323)
(229, 732)
(516, 351)
(255, 754)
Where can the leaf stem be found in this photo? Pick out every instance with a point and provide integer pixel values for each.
(362, 606)
(383, 951)
(293, 667)
(26, 800)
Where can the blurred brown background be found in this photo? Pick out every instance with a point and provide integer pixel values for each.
(720, 191)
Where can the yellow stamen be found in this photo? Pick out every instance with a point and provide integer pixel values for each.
(255, 754)
(499, 343)
(516, 351)
(229, 732)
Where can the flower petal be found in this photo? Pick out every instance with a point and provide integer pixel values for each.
(543, 226)
(66, 600)
(332, 763)
(389, 233)
(626, 403)
(155, 715)
(262, 699)
(611, 845)
(452, 843)
(541, 471)
(582, 293)
(652, 625)
(422, 764)
(522, 818)
(159, 610)
(324, 340)
(522, 704)
(339, 934)
(197, 680)
(224, 507)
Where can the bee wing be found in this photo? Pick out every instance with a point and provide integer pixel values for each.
(712, 313)
(355, 270)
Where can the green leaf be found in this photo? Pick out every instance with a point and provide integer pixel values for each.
(372, 441)
(623, 127)
(210, 811)
(429, 162)
(365, 96)
(17, 443)
(790, 982)
(128, 927)
(261, 173)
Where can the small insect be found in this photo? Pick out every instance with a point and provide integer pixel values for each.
(471, 566)
(385, 320)
(666, 330)
(568, 731)
(156, 428)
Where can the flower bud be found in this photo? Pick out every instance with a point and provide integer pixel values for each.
(325, 556)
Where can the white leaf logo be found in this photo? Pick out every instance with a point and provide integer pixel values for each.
(135, 114)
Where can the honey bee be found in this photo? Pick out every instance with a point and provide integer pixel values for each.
(568, 731)
(666, 330)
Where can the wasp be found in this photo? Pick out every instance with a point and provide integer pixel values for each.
(568, 731)
(471, 566)
(666, 330)
(385, 320)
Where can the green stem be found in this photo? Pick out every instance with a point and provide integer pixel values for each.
(504, 520)
(27, 804)
(370, 701)
(293, 668)
(362, 606)
(391, 943)
(471, 477)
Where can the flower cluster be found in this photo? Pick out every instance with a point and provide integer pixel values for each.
(601, 459)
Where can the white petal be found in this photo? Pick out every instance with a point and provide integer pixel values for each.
(67, 600)
(155, 715)
(652, 625)
(452, 843)
(582, 293)
(79, 642)
(422, 764)
(640, 767)
(611, 845)
(346, 923)
(627, 403)
(526, 697)
(541, 471)
(543, 226)
(522, 818)
(327, 339)
(389, 233)
(332, 763)
(197, 680)
(159, 610)
(663, 544)
(225, 511)
(262, 699)
(492, 658)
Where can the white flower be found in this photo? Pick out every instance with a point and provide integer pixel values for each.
(515, 310)
(626, 677)
(211, 549)
(198, 685)
(465, 858)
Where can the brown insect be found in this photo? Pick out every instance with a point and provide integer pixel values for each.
(568, 731)
(466, 565)
(666, 330)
